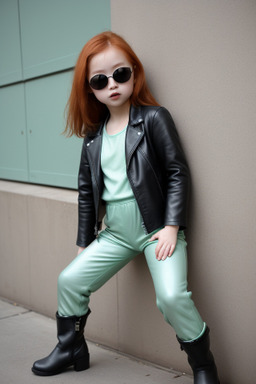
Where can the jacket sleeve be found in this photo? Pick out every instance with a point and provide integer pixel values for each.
(173, 161)
(86, 210)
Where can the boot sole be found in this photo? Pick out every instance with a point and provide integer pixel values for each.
(79, 365)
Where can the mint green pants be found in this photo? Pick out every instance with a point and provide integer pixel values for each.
(122, 240)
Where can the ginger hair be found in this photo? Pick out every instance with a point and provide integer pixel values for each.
(84, 111)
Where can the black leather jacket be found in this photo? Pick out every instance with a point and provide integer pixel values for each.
(156, 168)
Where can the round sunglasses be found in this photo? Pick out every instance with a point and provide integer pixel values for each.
(120, 75)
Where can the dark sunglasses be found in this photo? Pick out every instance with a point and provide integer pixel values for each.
(120, 75)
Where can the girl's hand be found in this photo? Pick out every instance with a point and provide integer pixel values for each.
(167, 239)
(80, 249)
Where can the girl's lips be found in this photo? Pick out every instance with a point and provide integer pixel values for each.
(114, 95)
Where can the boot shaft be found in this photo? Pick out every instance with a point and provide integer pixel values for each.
(70, 329)
(201, 359)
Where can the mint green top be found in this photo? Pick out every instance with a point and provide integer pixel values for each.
(113, 165)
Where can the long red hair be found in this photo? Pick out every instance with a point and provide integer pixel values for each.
(84, 111)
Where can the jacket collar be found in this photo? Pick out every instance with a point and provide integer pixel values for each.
(135, 118)
(135, 133)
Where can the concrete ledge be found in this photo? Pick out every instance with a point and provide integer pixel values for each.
(37, 240)
(51, 193)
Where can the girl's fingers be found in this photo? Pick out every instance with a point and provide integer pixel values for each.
(154, 237)
(164, 252)
(165, 245)
(171, 250)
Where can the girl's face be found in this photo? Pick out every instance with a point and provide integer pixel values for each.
(114, 94)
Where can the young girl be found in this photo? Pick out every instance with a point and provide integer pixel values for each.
(132, 164)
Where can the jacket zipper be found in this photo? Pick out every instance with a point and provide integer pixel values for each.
(133, 189)
(96, 206)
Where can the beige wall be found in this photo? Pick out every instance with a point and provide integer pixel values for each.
(200, 60)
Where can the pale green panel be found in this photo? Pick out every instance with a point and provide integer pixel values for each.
(10, 61)
(53, 32)
(13, 143)
(53, 158)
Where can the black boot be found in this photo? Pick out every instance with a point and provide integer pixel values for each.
(71, 349)
(201, 359)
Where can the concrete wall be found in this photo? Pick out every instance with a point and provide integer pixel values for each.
(200, 60)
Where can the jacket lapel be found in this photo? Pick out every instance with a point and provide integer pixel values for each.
(135, 133)
(94, 155)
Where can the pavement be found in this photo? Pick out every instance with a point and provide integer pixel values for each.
(26, 336)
